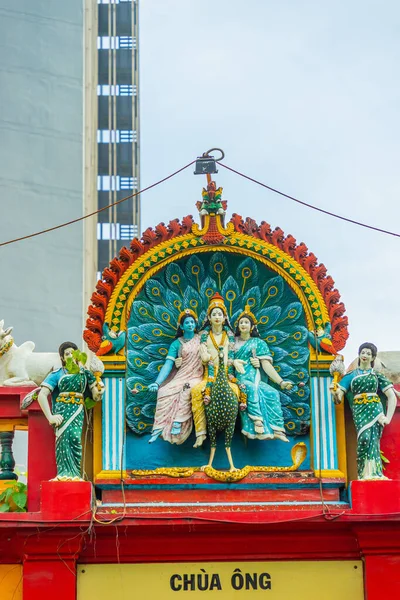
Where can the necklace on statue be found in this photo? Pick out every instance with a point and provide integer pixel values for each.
(214, 341)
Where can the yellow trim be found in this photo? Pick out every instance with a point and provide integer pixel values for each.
(111, 475)
(119, 358)
(299, 280)
(228, 230)
(298, 454)
(114, 362)
(198, 230)
(330, 474)
(11, 424)
(341, 439)
(97, 438)
(323, 363)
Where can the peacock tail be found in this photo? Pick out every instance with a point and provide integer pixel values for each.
(190, 283)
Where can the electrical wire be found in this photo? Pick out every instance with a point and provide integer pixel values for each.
(149, 187)
(326, 212)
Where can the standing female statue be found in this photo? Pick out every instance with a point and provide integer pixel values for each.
(173, 418)
(263, 418)
(68, 411)
(365, 389)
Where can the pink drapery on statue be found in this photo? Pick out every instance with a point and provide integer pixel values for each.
(173, 398)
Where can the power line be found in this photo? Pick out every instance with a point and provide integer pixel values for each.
(321, 210)
(326, 212)
(31, 235)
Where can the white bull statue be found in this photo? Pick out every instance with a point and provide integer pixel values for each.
(19, 365)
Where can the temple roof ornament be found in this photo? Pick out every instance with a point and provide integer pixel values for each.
(127, 273)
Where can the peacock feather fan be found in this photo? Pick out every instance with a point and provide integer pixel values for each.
(190, 283)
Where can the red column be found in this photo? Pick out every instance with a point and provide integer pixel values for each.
(382, 576)
(49, 565)
(380, 548)
(41, 454)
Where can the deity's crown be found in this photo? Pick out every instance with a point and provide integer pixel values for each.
(187, 313)
(217, 301)
(247, 313)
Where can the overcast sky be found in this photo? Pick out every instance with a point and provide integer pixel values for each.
(302, 95)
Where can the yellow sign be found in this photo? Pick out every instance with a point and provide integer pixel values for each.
(275, 580)
(11, 582)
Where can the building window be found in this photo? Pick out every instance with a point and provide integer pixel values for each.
(112, 1)
(127, 135)
(116, 90)
(128, 183)
(128, 232)
(106, 42)
(105, 183)
(107, 136)
(108, 231)
(126, 41)
(126, 90)
(115, 231)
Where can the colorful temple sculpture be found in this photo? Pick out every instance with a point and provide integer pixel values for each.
(213, 440)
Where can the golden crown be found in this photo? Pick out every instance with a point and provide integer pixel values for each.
(187, 313)
(246, 313)
(217, 301)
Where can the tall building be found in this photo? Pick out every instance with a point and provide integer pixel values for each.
(41, 175)
(118, 125)
(69, 145)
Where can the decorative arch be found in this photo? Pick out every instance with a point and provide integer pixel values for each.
(126, 275)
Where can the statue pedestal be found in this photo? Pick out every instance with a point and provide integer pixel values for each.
(66, 500)
(375, 497)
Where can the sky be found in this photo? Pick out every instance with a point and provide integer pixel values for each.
(302, 96)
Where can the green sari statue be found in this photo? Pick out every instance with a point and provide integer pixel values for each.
(67, 416)
(365, 389)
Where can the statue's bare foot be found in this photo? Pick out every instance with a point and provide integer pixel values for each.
(199, 441)
(281, 436)
(259, 427)
(204, 467)
(233, 469)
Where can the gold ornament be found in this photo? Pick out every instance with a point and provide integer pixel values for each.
(247, 313)
(217, 301)
(187, 313)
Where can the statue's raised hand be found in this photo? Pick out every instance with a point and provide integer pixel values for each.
(255, 362)
(178, 362)
(286, 385)
(204, 354)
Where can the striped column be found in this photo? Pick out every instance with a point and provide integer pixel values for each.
(113, 424)
(324, 427)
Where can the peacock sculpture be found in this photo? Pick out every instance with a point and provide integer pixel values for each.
(221, 411)
(321, 339)
(189, 283)
(111, 341)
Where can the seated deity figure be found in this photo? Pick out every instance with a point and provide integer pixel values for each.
(183, 369)
(263, 418)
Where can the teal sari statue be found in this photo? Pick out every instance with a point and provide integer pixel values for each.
(365, 389)
(67, 413)
(263, 417)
